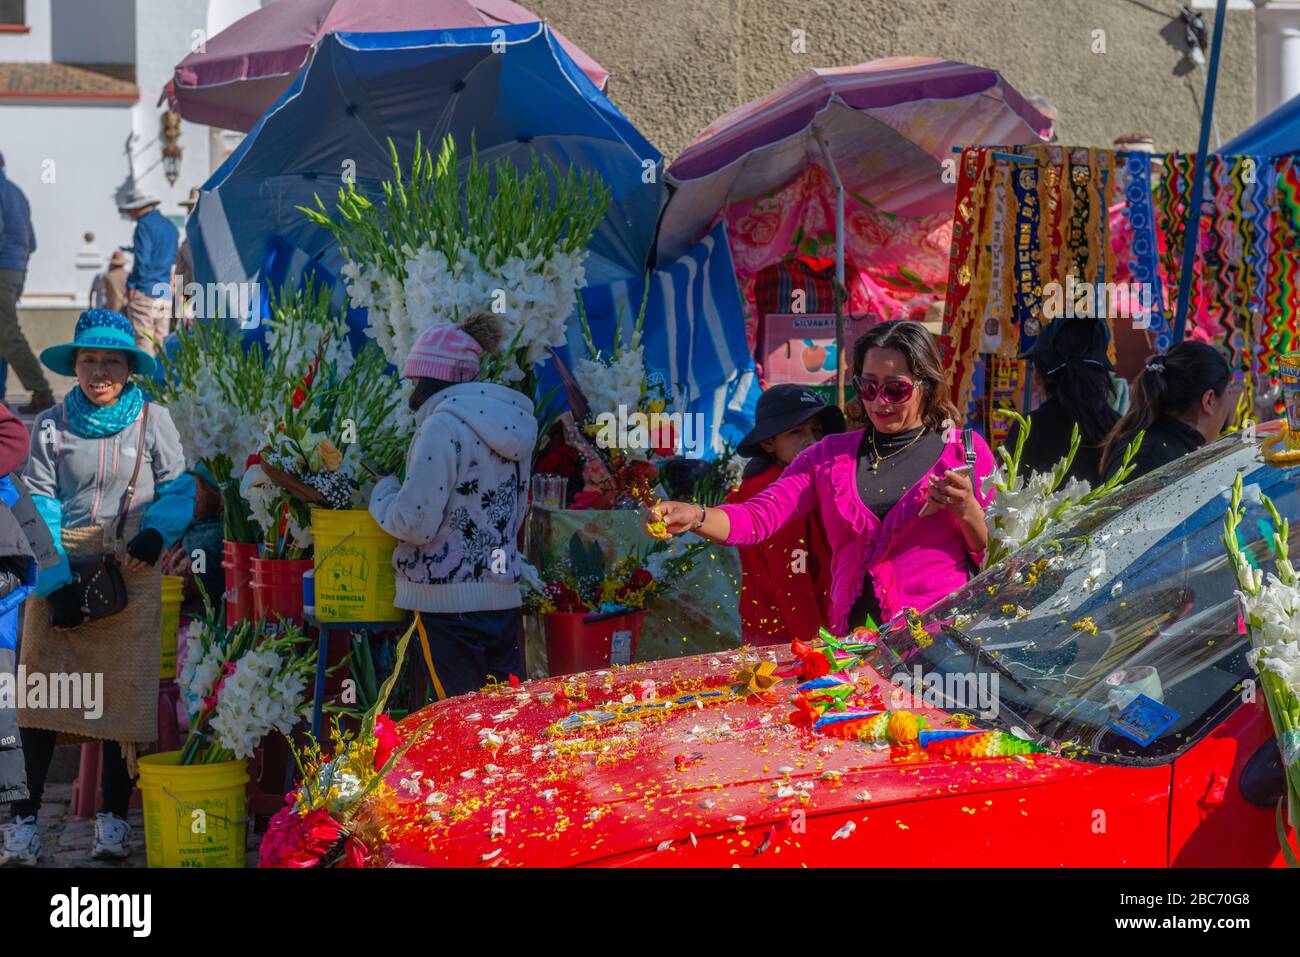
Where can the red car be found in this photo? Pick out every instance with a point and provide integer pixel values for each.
(1088, 702)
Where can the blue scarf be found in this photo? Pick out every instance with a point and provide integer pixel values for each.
(90, 421)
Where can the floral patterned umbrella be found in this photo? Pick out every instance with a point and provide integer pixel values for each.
(890, 125)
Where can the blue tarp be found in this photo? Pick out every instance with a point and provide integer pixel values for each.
(694, 336)
(1277, 134)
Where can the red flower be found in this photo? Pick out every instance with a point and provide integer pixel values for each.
(804, 714)
(386, 740)
(814, 665)
(667, 440)
(254, 459)
(639, 579)
(354, 853)
(299, 397)
(586, 499)
(514, 681)
(295, 840)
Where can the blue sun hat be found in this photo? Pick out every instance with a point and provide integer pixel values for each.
(99, 329)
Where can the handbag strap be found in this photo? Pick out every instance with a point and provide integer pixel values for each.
(135, 472)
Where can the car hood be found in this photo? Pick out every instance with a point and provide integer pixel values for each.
(495, 780)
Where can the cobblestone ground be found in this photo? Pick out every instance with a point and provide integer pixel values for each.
(68, 841)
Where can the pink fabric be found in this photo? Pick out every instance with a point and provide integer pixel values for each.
(446, 352)
(913, 561)
(903, 260)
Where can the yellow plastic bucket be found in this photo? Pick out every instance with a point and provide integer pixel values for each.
(193, 816)
(354, 567)
(171, 625)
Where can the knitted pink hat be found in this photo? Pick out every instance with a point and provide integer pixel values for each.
(443, 351)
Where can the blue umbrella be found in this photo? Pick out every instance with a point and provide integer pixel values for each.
(512, 88)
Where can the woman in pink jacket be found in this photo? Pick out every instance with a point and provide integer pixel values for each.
(903, 514)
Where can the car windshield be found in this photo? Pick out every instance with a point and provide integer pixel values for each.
(1118, 640)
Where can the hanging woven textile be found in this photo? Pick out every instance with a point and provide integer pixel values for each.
(1144, 254)
(961, 311)
(1283, 287)
(1028, 288)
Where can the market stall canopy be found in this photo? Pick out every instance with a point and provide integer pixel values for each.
(890, 125)
(511, 90)
(245, 68)
(1277, 134)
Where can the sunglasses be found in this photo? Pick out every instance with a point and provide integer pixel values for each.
(895, 391)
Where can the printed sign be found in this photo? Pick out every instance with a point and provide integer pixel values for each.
(800, 349)
(620, 652)
(1143, 720)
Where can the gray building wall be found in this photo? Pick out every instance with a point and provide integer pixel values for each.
(677, 65)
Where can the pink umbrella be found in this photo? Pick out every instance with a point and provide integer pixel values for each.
(882, 132)
(246, 67)
(889, 125)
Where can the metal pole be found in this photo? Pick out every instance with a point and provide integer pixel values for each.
(840, 292)
(1192, 223)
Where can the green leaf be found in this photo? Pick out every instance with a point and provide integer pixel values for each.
(1287, 853)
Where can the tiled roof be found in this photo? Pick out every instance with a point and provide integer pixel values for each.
(68, 81)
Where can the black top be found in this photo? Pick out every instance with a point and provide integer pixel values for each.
(1167, 440)
(904, 458)
(1050, 427)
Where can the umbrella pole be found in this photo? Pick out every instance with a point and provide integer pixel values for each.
(841, 294)
(1200, 164)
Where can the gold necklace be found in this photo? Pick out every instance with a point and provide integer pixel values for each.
(877, 458)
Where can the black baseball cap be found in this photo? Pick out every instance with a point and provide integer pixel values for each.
(782, 408)
(1049, 355)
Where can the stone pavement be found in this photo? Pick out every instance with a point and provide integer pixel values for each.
(68, 841)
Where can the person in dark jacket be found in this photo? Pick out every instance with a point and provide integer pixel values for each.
(1181, 401)
(1070, 362)
(149, 284)
(17, 243)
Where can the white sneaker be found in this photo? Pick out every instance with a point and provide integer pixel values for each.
(111, 837)
(22, 843)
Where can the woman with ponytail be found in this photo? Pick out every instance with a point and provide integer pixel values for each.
(1071, 364)
(902, 500)
(1181, 401)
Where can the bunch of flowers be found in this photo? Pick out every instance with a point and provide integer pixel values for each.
(222, 400)
(582, 581)
(1270, 606)
(315, 828)
(337, 413)
(218, 395)
(617, 380)
(1024, 508)
(438, 248)
(238, 684)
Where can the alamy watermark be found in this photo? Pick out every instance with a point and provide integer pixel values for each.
(216, 300)
(1099, 300)
(61, 690)
(635, 431)
(952, 690)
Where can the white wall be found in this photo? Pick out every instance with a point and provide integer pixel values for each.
(93, 31)
(33, 45)
(75, 194)
(87, 143)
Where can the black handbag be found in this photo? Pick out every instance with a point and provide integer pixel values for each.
(102, 586)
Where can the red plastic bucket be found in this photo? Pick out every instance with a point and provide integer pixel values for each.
(277, 588)
(235, 560)
(573, 643)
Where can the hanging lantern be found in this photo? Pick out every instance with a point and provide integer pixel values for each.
(171, 148)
